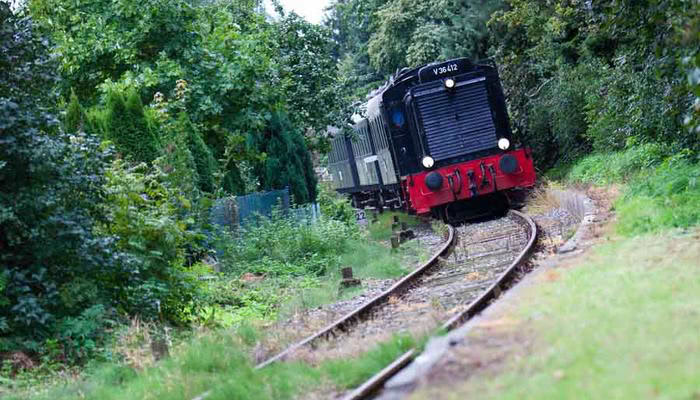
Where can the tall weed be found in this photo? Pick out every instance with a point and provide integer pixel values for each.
(281, 246)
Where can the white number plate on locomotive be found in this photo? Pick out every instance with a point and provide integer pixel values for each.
(446, 69)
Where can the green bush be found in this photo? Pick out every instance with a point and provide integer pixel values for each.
(81, 336)
(143, 214)
(50, 191)
(125, 125)
(334, 205)
(202, 155)
(280, 246)
(74, 115)
(557, 119)
(629, 107)
(177, 163)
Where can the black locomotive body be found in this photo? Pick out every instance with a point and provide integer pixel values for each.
(431, 138)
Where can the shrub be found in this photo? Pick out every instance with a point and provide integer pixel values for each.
(125, 125)
(557, 123)
(152, 281)
(630, 108)
(51, 193)
(202, 155)
(280, 246)
(334, 205)
(80, 336)
(74, 115)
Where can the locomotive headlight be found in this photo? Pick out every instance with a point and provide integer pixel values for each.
(503, 144)
(449, 83)
(428, 162)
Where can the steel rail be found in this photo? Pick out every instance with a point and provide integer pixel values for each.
(475, 307)
(355, 316)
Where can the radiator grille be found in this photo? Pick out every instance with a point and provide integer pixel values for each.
(456, 123)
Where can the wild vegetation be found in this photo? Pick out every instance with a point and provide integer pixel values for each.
(122, 122)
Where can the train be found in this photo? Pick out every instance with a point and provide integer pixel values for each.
(435, 139)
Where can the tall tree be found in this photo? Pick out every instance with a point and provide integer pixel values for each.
(308, 71)
(287, 161)
(413, 32)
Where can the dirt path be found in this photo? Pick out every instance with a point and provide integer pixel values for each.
(494, 339)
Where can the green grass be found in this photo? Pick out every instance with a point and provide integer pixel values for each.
(609, 168)
(346, 374)
(381, 230)
(218, 363)
(667, 197)
(625, 325)
(658, 193)
(369, 260)
(288, 286)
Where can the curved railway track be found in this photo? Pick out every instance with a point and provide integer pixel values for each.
(495, 259)
(464, 275)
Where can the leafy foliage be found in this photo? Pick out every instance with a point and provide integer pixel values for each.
(307, 71)
(82, 241)
(609, 75)
(101, 40)
(125, 125)
(51, 193)
(410, 32)
(378, 37)
(223, 50)
(152, 279)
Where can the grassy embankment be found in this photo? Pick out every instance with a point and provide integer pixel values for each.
(623, 322)
(219, 360)
(623, 325)
(219, 363)
(656, 195)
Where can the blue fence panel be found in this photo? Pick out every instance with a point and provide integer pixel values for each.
(233, 212)
(261, 204)
(306, 214)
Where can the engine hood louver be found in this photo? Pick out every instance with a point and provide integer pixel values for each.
(455, 123)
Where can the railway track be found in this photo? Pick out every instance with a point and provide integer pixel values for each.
(487, 262)
(465, 274)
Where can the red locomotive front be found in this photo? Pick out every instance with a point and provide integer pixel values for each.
(462, 181)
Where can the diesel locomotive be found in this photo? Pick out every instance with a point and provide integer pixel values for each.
(434, 139)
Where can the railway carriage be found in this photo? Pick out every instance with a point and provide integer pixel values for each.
(435, 139)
